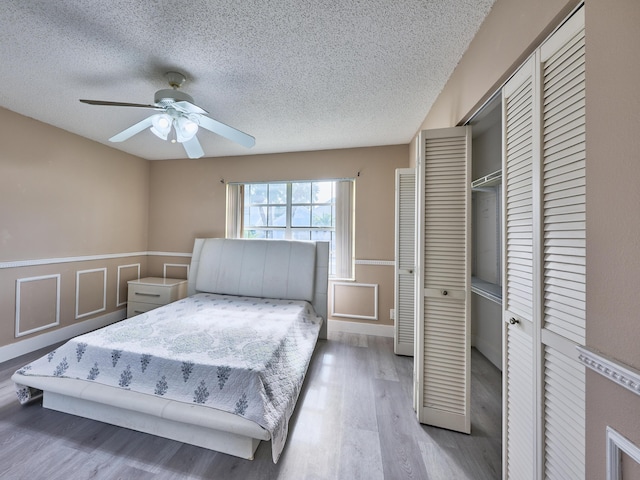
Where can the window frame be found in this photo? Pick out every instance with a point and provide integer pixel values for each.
(236, 227)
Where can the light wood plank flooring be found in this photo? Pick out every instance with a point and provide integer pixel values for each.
(354, 420)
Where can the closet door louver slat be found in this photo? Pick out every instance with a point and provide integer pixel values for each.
(444, 279)
(564, 416)
(519, 463)
(519, 209)
(519, 406)
(564, 186)
(405, 261)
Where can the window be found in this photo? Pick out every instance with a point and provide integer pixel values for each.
(299, 210)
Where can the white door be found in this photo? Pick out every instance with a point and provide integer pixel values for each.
(545, 260)
(405, 261)
(443, 279)
(519, 303)
(563, 254)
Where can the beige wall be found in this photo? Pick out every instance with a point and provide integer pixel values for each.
(613, 221)
(511, 32)
(64, 196)
(188, 200)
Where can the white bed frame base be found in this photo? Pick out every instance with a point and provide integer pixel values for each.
(188, 423)
(213, 439)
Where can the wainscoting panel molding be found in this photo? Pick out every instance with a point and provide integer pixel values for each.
(362, 304)
(122, 279)
(84, 258)
(386, 263)
(616, 446)
(169, 254)
(615, 371)
(39, 302)
(87, 296)
(45, 339)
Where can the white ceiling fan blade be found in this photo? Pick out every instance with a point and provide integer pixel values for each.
(193, 148)
(227, 131)
(132, 130)
(120, 104)
(188, 107)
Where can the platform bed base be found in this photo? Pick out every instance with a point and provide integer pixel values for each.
(225, 442)
(188, 423)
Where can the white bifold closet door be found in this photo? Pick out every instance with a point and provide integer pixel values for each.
(519, 306)
(545, 260)
(443, 279)
(563, 259)
(405, 261)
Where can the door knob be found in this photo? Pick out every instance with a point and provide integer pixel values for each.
(513, 321)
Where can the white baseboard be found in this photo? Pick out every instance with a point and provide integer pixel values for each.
(361, 327)
(490, 351)
(32, 344)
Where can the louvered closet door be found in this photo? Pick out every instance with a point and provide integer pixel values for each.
(519, 300)
(443, 286)
(562, 64)
(405, 262)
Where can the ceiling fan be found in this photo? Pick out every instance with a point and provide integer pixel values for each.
(178, 120)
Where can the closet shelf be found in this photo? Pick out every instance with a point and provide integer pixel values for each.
(490, 291)
(487, 181)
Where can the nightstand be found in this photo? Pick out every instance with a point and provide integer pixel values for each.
(152, 292)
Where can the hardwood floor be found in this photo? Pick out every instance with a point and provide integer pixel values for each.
(354, 420)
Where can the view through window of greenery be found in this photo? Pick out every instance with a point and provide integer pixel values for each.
(291, 210)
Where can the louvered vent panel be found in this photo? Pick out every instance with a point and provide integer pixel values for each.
(519, 201)
(444, 366)
(564, 188)
(445, 213)
(520, 413)
(405, 309)
(564, 404)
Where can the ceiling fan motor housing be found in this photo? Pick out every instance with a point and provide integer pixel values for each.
(169, 96)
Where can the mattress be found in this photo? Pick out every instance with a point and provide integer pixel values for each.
(243, 355)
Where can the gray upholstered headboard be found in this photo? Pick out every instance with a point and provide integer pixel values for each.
(286, 269)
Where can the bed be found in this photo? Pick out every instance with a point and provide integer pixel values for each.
(221, 369)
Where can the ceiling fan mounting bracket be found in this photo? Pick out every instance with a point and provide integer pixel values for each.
(175, 79)
(172, 95)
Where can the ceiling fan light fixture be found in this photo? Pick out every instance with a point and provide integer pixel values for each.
(161, 125)
(179, 121)
(185, 129)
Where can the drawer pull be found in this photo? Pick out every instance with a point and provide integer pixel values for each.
(147, 294)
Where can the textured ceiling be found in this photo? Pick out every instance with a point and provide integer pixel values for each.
(297, 75)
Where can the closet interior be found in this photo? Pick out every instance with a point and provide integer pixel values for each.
(486, 225)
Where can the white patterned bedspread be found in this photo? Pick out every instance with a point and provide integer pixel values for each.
(243, 355)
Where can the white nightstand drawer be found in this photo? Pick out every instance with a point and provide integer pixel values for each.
(136, 308)
(152, 292)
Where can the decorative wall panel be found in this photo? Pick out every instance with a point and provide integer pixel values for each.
(37, 304)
